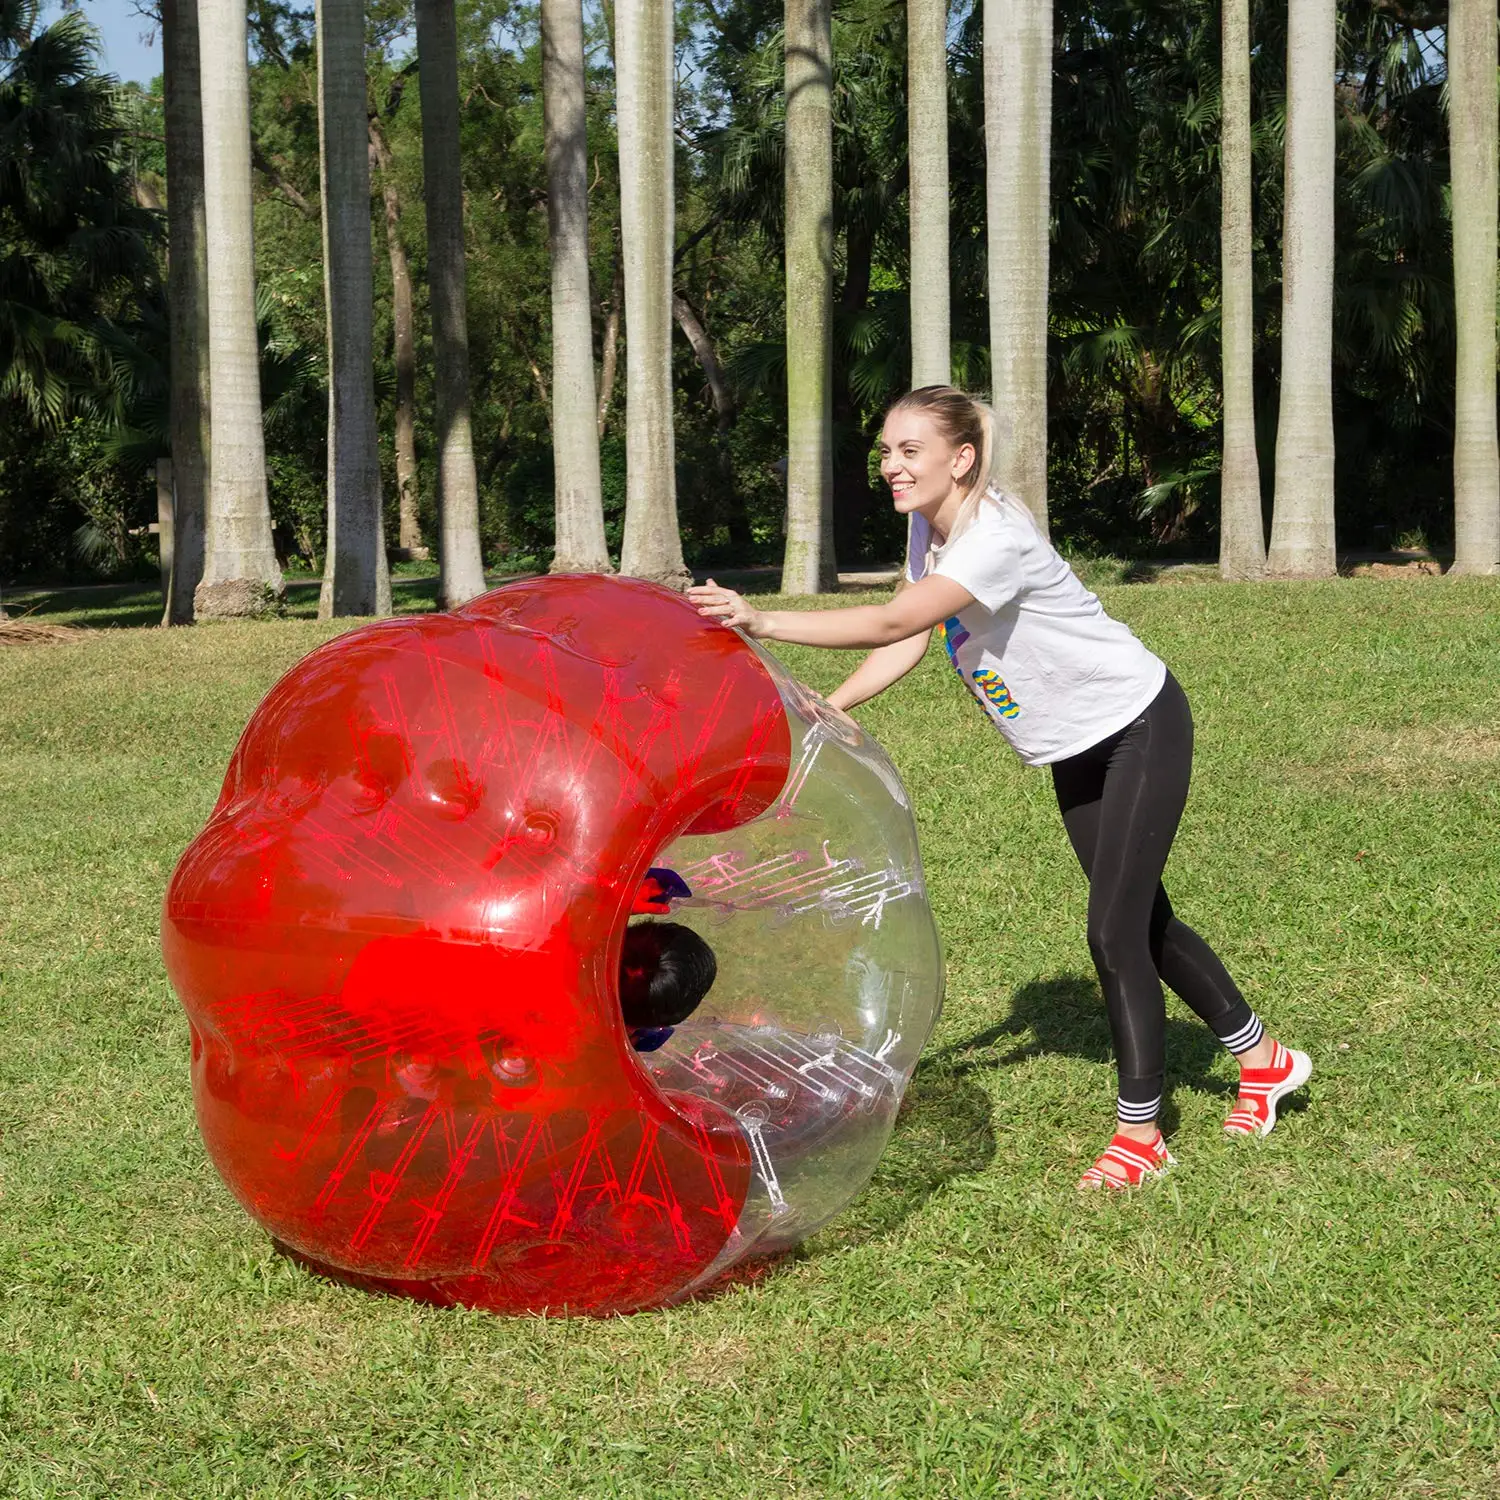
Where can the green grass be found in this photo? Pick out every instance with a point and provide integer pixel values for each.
(1311, 1315)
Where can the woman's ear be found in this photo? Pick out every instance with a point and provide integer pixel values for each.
(964, 460)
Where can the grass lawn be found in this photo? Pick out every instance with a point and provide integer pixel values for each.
(1315, 1314)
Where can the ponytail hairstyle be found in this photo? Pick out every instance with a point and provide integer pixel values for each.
(961, 419)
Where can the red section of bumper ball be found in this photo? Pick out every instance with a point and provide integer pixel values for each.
(396, 942)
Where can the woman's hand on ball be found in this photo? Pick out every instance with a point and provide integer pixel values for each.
(715, 602)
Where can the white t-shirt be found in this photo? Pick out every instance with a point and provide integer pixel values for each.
(1053, 672)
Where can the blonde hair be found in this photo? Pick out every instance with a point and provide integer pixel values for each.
(962, 418)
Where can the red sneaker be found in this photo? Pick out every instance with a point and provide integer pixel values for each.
(1262, 1088)
(1136, 1160)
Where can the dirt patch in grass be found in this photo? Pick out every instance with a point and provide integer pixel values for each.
(1417, 758)
(716, 1362)
(34, 633)
(1394, 1163)
(1417, 567)
(1429, 749)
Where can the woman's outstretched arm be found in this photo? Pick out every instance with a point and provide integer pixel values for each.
(882, 667)
(914, 611)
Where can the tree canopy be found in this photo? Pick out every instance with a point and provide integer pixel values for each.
(1133, 367)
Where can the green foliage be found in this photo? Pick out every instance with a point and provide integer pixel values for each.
(74, 249)
(1135, 397)
(67, 511)
(80, 303)
(1134, 384)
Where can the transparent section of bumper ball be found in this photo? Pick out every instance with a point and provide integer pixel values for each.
(830, 976)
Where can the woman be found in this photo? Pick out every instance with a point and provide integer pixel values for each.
(1071, 689)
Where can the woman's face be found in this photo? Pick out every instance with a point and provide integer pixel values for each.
(919, 463)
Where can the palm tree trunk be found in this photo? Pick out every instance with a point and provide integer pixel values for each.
(240, 574)
(355, 577)
(708, 361)
(166, 505)
(577, 488)
(1242, 532)
(1018, 168)
(652, 547)
(1302, 541)
(1472, 123)
(187, 299)
(461, 566)
(927, 193)
(610, 352)
(404, 339)
(810, 566)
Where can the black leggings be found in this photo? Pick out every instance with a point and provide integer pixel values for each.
(1121, 801)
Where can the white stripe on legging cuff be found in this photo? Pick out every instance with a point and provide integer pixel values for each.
(1246, 1037)
(1138, 1114)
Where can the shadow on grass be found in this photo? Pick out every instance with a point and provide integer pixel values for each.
(117, 606)
(1066, 1016)
(1153, 570)
(135, 606)
(944, 1131)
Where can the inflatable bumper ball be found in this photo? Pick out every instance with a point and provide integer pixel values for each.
(398, 943)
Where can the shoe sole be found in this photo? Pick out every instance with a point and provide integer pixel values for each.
(1301, 1072)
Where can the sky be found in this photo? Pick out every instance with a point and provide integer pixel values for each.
(122, 30)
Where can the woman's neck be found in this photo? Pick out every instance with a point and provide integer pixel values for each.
(941, 516)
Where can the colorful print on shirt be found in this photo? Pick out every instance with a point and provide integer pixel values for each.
(990, 685)
(954, 635)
